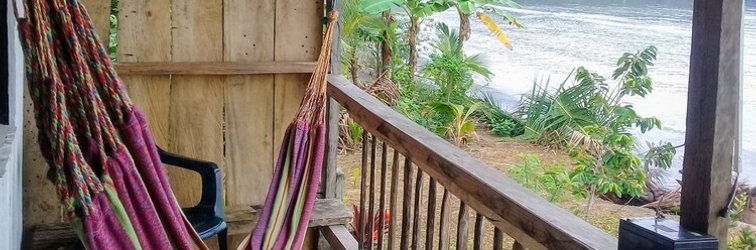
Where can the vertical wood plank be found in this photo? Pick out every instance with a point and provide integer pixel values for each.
(444, 239)
(498, 240)
(416, 210)
(248, 35)
(363, 190)
(371, 206)
(144, 35)
(462, 227)
(40, 198)
(298, 36)
(249, 104)
(393, 200)
(517, 246)
(382, 203)
(478, 232)
(714, 96)
(99, 13)
(406, 201)
(431, 219)
(196, 120)
(334, 114)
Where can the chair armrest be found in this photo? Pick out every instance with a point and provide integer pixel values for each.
(212, 188)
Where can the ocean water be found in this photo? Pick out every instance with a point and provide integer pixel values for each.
(561, 36)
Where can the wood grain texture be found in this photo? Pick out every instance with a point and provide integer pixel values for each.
(249, 100)
(431, 218)
(444, 235)
(382, 199)
(393, 200)
(519, 212)
(249, 39)
(216, 68)
(713, 118)
(144, 35)
(196, 119)
(416, 211)
(328, 185)
(40, 198)
(298, 36)
(339, 237)
(406, 201)
(478, 232)
(462, 228)
(99, 13)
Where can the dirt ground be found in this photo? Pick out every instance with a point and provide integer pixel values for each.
(500, 153)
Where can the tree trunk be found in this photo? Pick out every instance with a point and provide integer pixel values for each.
(464, 27)
(413, 46)
(386, 52)
(591, 195)
(353, 68)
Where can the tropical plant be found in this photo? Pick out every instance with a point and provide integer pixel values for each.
(745, 240)
(362, 221)
(450, 69)
(416, 10)
(357, 29)
(553, 182)
(465, 8)
(591, 120)
(460, 129)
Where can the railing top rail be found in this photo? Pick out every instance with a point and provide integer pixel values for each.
(516, 210)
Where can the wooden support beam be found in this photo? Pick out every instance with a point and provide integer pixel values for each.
(214, 68)
(713, 118)
(339, 237)
(329, 183)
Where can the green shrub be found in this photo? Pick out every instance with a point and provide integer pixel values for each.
(551, 182)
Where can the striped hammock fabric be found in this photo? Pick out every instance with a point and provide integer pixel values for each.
(291, 195)
(102, 158)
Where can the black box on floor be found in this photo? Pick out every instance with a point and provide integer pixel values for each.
(660, 234)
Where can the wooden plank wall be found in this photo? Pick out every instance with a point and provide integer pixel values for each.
(235, 121)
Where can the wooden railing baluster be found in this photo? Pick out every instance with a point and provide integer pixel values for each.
(382, 206)
(393, 199)
(407, 200)
(431, 219)
(498, 243)
(444, 240)
(363, 190)
(478, 232)
(530, 220)
(517, 246)
(416, 213)
(371, 207)
(462, 227)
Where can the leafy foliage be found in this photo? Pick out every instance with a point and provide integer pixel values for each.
(460, 128)
(589, 118)
(553, 182)
(746, 240)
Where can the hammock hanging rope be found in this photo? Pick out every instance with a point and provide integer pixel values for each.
(284, 219)
(102, 158)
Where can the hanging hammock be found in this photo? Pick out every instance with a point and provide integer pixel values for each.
(284, 219)
(102, 158)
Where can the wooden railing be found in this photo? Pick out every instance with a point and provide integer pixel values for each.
(425, 179)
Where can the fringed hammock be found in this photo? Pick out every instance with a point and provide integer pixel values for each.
(104, 162)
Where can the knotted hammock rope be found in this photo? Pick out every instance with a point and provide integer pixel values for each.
(102, 158)
(286, 213)
(104, 162)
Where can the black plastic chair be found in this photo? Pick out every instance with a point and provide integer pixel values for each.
(207, 217)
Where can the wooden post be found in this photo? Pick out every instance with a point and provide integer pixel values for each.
(329, 181)
(714, 99)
